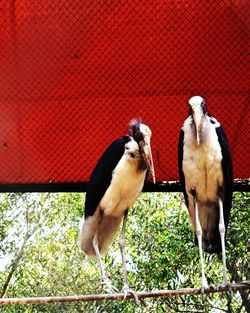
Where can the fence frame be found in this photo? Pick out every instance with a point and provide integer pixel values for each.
(239, 185)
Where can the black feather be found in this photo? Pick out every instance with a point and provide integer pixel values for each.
(180, 159)
(227, 169)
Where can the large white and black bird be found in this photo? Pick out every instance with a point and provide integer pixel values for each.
(114, 185)
(206, 175)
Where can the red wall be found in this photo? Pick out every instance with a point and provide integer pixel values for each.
(73, 74)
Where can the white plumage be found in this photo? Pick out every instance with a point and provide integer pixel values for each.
(202, 168)
(127, 182)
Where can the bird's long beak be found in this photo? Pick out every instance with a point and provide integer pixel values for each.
(198, 119)
(147, 156)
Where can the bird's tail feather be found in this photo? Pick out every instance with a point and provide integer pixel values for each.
(108, 228)
(87, 233)
(209, 218)
(107, 231)
(211, 245)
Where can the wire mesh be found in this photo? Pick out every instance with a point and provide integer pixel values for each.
(73, 74)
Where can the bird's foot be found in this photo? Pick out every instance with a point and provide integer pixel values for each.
(126, 290)
(225, 283)
(203, 287)
(106, 285)
(213, 287)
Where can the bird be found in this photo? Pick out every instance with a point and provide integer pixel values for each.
(206, 175)
(113, 187)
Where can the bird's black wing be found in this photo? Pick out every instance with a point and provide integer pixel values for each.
(227, 169)
(180, 160)
(102, 174)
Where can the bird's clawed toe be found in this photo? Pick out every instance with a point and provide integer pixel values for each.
(202, 289)
(106, 285)
(225, 283)
(213, 287)
(126, 290)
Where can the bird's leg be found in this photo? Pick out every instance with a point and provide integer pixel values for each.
(126, 288)
(98, 255)
(198, 230)
(122, 244)
(222, 230)
(104, 280)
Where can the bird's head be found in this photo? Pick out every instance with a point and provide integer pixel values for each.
(141, 133)
(198, 111)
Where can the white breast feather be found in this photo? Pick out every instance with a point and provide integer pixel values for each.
(126, 185)
(202, 168)
(202, 164)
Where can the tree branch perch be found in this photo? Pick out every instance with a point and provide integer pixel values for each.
(120, 296)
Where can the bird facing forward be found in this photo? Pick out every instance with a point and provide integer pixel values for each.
(205, 169)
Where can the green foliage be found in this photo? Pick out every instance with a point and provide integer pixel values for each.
(159, 247)
(238, 236)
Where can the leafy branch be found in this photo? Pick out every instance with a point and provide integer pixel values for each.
(29, 233)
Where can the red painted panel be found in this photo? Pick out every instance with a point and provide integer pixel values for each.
(73, 74)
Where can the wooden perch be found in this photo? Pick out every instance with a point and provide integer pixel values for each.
(120, 296)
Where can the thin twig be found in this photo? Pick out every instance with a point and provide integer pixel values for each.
(120, 296)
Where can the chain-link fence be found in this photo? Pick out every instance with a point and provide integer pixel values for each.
(73, 74)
